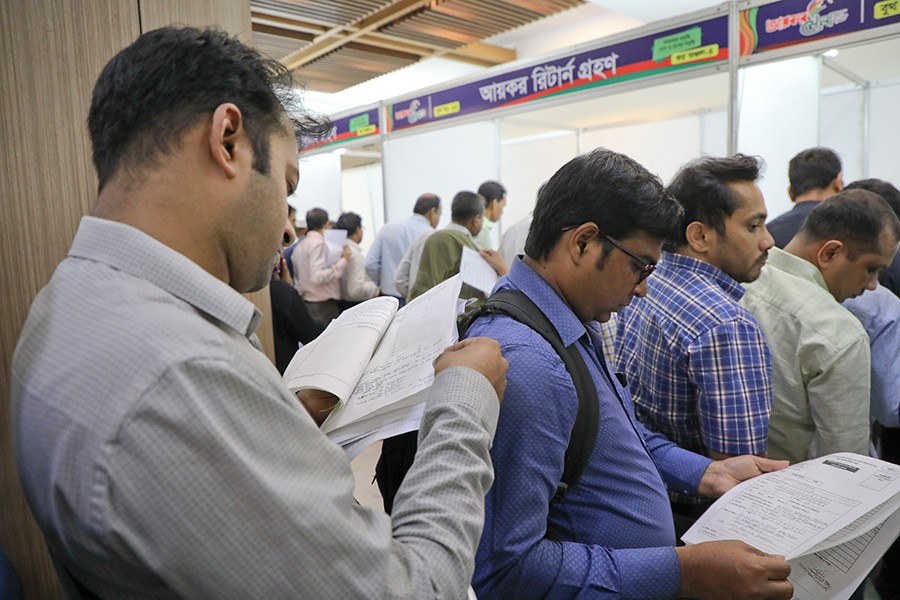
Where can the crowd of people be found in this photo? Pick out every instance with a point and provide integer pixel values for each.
(166, 458)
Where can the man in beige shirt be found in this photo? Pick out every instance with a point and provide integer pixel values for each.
(820, 352)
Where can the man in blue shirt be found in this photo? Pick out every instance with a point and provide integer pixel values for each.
(393, 239)
(697, 361)
(879, 312)
(598, 229)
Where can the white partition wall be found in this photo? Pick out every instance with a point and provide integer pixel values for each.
(443, 162)
(661, 146)
(362, 193)
(779, 117)
(884, 125)
(525, 165)
(842, 128)
(319, 185)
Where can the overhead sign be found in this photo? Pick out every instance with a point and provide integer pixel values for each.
(672, 50)
(352, 127)
(792, 22)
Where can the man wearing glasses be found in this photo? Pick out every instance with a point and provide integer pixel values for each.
(598, 229)
(697, 362)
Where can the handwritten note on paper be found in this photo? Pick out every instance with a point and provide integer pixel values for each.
(476, 271)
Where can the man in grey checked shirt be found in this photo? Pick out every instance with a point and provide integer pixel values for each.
(158, 448)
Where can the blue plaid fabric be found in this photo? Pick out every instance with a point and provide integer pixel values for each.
(697, 362)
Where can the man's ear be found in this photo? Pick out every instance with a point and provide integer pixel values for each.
(791, 194)
(837, 184)
(227, 138)
(578, 238)
(827, 253)
(697, 236)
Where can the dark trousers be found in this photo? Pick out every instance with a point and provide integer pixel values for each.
(397, 455)
(324, 312)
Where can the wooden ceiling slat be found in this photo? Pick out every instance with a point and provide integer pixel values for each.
(333, 44)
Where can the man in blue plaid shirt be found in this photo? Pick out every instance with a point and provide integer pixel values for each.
(697, 362)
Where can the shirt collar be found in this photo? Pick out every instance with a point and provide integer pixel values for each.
(417, 216)
(795, 265)
(525, 279)
(672, 261)
(457, 227)
(132, 251)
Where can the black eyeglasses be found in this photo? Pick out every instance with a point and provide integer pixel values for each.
(647, 268)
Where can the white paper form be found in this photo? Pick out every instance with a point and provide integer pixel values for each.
(335, 240)
(837, 572)
(476, 271)
(336, 359)
(401, 366)
(789, 512)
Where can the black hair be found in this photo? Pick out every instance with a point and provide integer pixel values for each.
(813, 169)
(316, 218)
(856, 217)
(881, 187)
(606, 188)
(491, 191)
(466, 205)
(701, 187)
(426, 202)
(349, 222)
(169, 79)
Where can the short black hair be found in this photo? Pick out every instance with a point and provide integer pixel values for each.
(466, 205)
(856, 217)
(701, 187)
(491, 191)
(881, 187)
(166, 81)
(606, 188)
(813, 169)
(349, 222)
(316, 218)
(426, 202)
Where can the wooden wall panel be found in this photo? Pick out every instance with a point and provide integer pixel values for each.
(52, 51)
(231, 15)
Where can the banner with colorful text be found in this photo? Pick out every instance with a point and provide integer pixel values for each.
(672, 50)
(353, 127)
(792, 22)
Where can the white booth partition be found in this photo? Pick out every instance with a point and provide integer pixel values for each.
(441, 161)
(779, 116)
(528, 161)
(362, 192)
(319, 185)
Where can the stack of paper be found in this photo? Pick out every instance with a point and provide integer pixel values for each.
(832, 518)
(378, 361)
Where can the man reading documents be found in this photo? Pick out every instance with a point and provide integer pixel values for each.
(159, 450)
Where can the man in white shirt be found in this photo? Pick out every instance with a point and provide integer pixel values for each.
(355, 285)
(394, 239)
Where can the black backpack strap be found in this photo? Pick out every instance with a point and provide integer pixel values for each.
(518, 306)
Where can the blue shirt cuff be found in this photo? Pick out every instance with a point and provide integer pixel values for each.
(649, 572)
